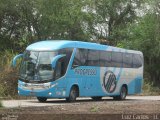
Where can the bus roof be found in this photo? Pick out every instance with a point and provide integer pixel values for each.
(51, 45)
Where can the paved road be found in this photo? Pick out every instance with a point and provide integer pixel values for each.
(52, 102)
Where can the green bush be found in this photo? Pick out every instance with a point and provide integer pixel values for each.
(2, 90)
(150, 89)
(8, 75)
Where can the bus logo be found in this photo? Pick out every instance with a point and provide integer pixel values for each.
(109, 81)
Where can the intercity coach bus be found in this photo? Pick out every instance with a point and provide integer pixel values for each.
(71, 69)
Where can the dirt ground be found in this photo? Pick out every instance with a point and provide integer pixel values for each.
(87, 109)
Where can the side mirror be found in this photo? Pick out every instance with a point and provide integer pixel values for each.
(54, 60)
(15, 59)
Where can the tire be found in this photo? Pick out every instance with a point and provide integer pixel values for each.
(42, 99)
(96, 98)
(73, 94)
(123, 94)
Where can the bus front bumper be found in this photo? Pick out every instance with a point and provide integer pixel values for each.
(49, 92)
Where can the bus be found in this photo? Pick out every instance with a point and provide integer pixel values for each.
(71, 69)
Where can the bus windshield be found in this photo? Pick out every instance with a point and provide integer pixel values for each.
(36, 66)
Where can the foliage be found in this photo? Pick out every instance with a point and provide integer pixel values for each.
(114, 15)
(62, 19)
(8, 76)
(150, 89)
(24, 22)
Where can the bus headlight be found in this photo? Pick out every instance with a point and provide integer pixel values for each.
(47, 85)
(53, 85)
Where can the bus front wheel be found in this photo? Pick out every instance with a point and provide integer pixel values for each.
(73, 94)
(42, 99)
(123, 94)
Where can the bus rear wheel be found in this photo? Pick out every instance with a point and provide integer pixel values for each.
(73, 94)
(96, 98)
(123, 94)
(42, 99)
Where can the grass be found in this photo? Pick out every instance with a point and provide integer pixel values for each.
(150, 89)
(94, 109)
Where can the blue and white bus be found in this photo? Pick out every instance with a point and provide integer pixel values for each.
(71, 69)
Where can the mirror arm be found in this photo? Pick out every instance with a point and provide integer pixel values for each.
(53, 63)
(15, 59)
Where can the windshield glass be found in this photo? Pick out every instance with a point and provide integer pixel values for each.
(37, 66)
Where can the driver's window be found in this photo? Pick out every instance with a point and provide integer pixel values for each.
(59, 71)
(62, 63)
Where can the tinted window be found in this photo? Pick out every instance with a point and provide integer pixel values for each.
(68, 53)
(93, 58)
(62, 64)
(105, 58)
(137, 61)
(127, 60)
(80, 57)
(116, 59)
(85, 57)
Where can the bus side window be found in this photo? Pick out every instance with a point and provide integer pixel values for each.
(127, 60)
(105, 58)
(80, 57)
(137, 61)
(116, 59)
(93, 58)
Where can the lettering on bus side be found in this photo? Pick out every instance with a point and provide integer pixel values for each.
(85, 72)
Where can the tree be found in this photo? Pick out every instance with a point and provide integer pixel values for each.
(113, 17)
(63, 19)
(16, 24)
(27, 21)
